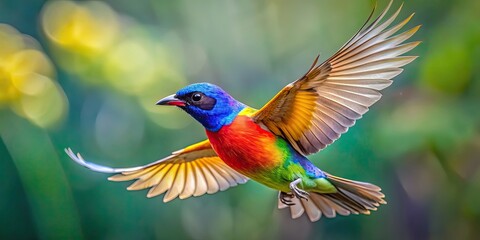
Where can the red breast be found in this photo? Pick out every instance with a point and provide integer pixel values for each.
(245, 146)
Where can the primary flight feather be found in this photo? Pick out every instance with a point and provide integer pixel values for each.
(270, 145)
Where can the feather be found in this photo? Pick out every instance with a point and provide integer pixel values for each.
(189, 187)
(332, 95)
(192, 171)
(351, 197)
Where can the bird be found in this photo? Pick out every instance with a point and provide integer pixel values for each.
(270, 145)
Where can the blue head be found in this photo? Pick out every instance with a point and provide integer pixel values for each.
(207, 103)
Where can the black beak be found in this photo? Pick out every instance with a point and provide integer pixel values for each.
(172, 101)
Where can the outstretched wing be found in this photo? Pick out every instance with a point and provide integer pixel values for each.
(315, 110)
(192, 171)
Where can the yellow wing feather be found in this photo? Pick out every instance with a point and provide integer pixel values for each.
(315, 110)
(192, 171)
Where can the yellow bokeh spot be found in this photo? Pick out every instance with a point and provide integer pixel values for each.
(29, 60)
(88, 40)
(86, 27)
(11, 41)
(29, 69)
(31, 83)
(44, 108)
(26, 84)
(7, 90)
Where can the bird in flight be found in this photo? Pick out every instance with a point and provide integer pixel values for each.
(270, 145)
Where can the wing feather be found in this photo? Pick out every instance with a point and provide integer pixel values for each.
(189, 187)
(192, 171)
(165, 183)
(315, 110)
(212, 185)
(201, 187)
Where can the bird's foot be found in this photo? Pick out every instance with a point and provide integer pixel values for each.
(299, 193)
(286, 198)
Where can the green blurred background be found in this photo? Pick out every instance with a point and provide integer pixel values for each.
(87, 75)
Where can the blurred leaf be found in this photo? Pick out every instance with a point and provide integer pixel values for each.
(449, 63)
(42, 176)
(419, 122)
(448, 67)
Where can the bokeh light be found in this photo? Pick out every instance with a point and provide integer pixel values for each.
(85, 27)
(131, 60)
(27, 80)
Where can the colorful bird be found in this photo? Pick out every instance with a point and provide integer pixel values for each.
(270, 145)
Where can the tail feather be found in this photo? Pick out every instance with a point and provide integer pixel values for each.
(327, 207)
(352, 197)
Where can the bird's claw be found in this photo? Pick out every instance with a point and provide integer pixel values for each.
(286, 198)
(299, 193)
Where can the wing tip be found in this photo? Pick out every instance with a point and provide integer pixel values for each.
(114, 178)
(149, 195)
(168, 198)
(92, 166)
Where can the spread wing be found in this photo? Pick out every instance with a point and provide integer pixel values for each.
(192, 171)
(315, 110)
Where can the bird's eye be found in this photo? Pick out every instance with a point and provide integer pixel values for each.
(196, 97)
